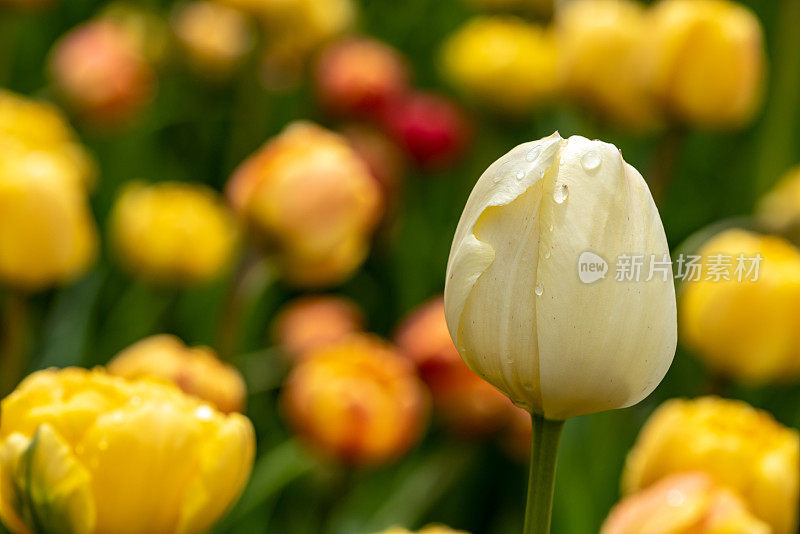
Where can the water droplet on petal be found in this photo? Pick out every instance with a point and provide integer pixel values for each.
(520, 175)
(547, 255)
(591, 160)
(561, 193)
(551, 228)
(533, 153)
(539, 289)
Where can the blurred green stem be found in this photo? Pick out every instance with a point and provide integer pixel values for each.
(252, 277)
(542, 474)
(662, 166)
(14, 334)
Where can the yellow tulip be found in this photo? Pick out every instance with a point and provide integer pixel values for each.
(779, 210)
(504, 61)
(88, 453)
(196, 370)
(47, 233)
(310, 200)
(356, 401)
(747, 329)
(173, 232)
(519, 314)
(743, 448)
(707, 61)
(603, 58)
(686, 503)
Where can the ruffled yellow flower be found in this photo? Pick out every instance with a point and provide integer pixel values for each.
(84, 452)
(708, 60)
(779, 209)
(686, 503)
(173, 232)
(196, 370)
(741, 447)
(47, 233)
(603, 57)
(310, 200)
(504, 61)
(747, 329)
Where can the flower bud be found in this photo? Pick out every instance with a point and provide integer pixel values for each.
(745, 326)
(742, 448)
(47, 233)
(708, 61)
(85, 452)
(516, 306)
(686, 503)
(358, 76)
(356, 401)
(100, 71)
(310, 200)
(197, 370)
(431, 129)
(311, 322)
(779, 210)
(603, 53)
(509, 64)
(467, 404)
(214, 37)
(172, 232)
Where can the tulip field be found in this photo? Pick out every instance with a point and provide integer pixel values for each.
(374, 267)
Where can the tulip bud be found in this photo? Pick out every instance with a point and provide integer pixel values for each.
(742, 448)
(85, 452)
(99, 70)
(509, 64)
(309, 323)
(779, 210)
(519, 306)
(310, 200)
(603, 45)
(467, 404)
(356, 401)
(47, 234)
(430, 529)
(358, 76)
(431, 129)
(745, 326)
(708, 61)
(215, 38)
(686, 503)
(197, 370)
(173, 233)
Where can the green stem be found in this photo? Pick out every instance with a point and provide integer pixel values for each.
(14, 341)
(542, 475)
(663, 164)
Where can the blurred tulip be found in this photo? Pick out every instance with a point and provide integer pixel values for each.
(467, 404)
(215, 38)
(742, 448)
(359, 76)
(708, 61)
(430, 529)
(311, 322)
(47, 234)
(686, 503)
(431, 129)
(311, 201)
(515, 305)
(100, 71)
(196, 370)
(603, 46)
(510, 64)
(172, 232)
(356, 401)
(146, 29)
(85, 452)
(779, 210)
(746, 328)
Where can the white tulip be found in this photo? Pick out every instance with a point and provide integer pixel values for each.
(557, 342)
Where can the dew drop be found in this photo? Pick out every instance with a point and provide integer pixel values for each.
(520, 175)
(539, 289)
(533, 153)
(551, 228)
(591, 160)
(561, 193)
(547, 255)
